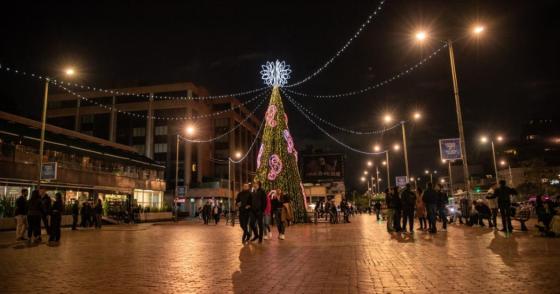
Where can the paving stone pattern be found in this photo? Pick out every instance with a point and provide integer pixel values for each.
(360, 257)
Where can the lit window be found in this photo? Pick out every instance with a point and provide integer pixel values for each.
(161, 130)
(139, 132)
(160, 148)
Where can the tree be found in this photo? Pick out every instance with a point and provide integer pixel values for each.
(277, 166)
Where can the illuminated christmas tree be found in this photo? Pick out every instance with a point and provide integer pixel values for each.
(277, 160)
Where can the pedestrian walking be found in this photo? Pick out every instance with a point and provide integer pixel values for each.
(56, 218)
(345, 210)
(21, 215)
(258, 205)
(503, 194)
(277, 207)
(397, 209)
(268, 216)
(493, 206)
(431, 200)
(408, 200)
(75, 213)
(46, 210)
(421, 209)
(34, 214)
(98, 212)
(389, 212)
(243, 202)
(216, 213)
(465, 209)
(377, 207)
(442, 206)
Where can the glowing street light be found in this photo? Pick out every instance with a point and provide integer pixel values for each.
(190, 130)
(417, 115)
(363, 179)
(421, 36)
(502, 162)
(384, 162)
(237, 155)
(70, 71)
(483, 139)
(365, 172)
(376, 148)
(369, 163)
(499, 138)
(387, 118)
(477, 30)
(396, 147)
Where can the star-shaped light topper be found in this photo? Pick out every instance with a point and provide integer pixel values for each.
(276, 73)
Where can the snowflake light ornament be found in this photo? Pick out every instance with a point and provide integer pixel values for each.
(276, 73)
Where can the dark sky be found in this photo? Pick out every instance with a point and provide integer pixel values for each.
(506, 77)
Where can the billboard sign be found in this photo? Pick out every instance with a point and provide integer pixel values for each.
(323, 166)
(401, 181)
(450, 149)
(49, 171)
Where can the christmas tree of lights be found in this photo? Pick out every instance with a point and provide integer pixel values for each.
(277, 159)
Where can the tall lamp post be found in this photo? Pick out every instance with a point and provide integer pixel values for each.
(387, 118)
(477, 30)
(69, 72)
(189, 131)
(503, 163)
(484, 140)
(236, 155)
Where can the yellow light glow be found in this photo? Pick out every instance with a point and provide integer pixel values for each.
(397, 147)
(376, 148)
(384, 162)
(500, 138)
(238, 155)
(190, 130)
(483, 139)
(363, 179)
(369, 163)
(478, 29)
(417, 115)
(365, 172)
(387, 118)
(420, 36)
(70, 71)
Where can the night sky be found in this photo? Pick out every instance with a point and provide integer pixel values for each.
(506, 77)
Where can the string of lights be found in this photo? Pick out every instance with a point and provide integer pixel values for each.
(122, 93)
(328, 134)
(373, 132)
(377, 85)
(341, 50)
(229, 131)
(252, 144)
(137, 115)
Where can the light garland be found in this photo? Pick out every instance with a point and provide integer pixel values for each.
(328, 134)
(377, 85)
(111, 108)
(341, 50)
(229, 131)
(250, 147)
(373, 132)
(121, 93)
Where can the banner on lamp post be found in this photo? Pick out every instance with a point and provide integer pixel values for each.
(450, 149)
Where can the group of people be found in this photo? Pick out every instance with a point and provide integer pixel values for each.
(38, 208)
(403, 206)
(330, 211)
(210, 210)
(259, 210)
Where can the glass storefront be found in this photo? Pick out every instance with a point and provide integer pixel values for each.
(148, 198)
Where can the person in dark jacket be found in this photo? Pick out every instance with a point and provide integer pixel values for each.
(46, 203)
(21, 215)
(397, 209)
(277, 203)
(442, 206)
(84, 215)
(377, 207)
(345, 210)
(98, 213)
(483, 212)
(258, 204)
(206, 211)
(34, 213)
(431, 199)
(75, 213)
(504, 193)
(408, 200)
(243, 201)
(56, 217)
(389, 211)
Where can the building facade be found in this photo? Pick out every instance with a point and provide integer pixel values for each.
(86, 167)
(150, 125)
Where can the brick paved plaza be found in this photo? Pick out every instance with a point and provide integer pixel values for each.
(347, 258)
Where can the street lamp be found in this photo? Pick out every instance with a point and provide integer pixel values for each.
(387, 118)
(504, 163)
(189, 131)
(485, 140)
(69, 72)
(376, 148)
(237, 155)
(477, 30)
(428, 172)
(415, 116)
(369, 163)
